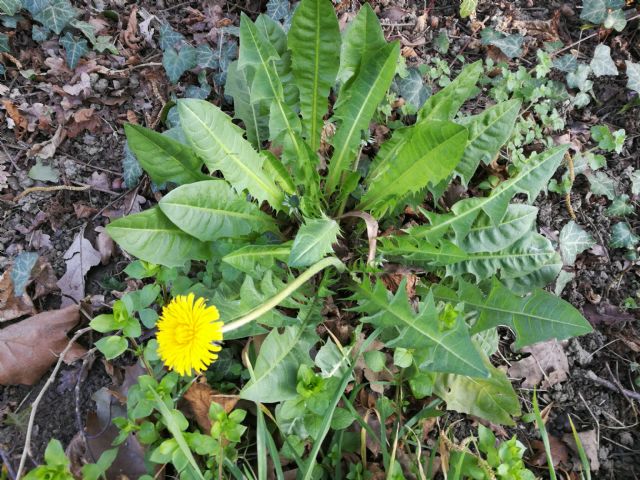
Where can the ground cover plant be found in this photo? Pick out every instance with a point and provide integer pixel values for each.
(337, 254)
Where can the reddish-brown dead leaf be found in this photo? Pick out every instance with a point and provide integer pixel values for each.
(12, 306)
(21, 123)
(199, 398)
(28, 348)
(559, 452)
(44, 278)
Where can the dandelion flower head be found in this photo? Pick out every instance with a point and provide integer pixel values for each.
(187, 332)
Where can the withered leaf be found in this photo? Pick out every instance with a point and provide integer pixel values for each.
(199, 398)
(80, 257)
(28, 348)
(12, 306)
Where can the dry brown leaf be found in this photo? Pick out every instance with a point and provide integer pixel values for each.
(199, 398)
(20, 123)
(129, 36)
(559, 452)
(105, 245)
(44, 277)
(28, 348)
(589, 440)
(547, 361)
(83, 211)
(47, 149)
(80, 257)
(11, 306)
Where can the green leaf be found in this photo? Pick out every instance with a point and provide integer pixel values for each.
(164, 159)
(620, 207)
(314, 41)
(10, 7)
(616, 19)
(355, 107)
(490, 398)
(602, 64)
(526, 255)
(411, 250)
(4, 43)
(450, 349)
(104, 323)
(362, 37)
(468, 7)
(54, 455)
(428, 156)
(219, 143)
(313, 241)
(169, 38)
(150, 236)
(574, 240)
(534, 318)
(602, 184)
(278, 9)
(254, 114)
(488, 131)
(112, 346)
(43, 173)
(623, 237)
(412, 88)
(131, 169)
(21, 271)
(56, 15)
(74, 48)
(175, 63)
(596, 11)
(273, 31)
(276, 368)
(532, 178)
(93, 471)
(445, 104)
(250, 257)
(86, 28)
(510, 45)
(484, 236)
(633, 76)
(211, 209)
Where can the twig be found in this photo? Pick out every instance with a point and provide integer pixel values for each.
(612, 386)
(572, 177)
(36, 402)
(7, 463)
(50, 189)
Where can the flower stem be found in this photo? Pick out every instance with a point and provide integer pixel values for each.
(282, 295)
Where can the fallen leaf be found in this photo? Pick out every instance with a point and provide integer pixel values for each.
(44, 278)
(83, 211)
(82, 87)
(20, 123)
(40, 240)
(559, 452)
(199, 398)
(547, 361)
(43, 173)
(12, 306)
(589, 440)
(47, 149)
(129, 36)
(29, 348)
(606, 314)
(80, 257)
(100, 181)
(105, 245)
(83, 119)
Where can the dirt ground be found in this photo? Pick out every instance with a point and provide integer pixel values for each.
(132, 86)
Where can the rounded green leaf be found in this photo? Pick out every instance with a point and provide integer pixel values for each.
(211, 209)
(112, 346)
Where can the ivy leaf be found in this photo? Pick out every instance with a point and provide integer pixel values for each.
(623, 237)
(580, 78)
(176, 63)
(86, 28)
(131, 169)
(169, 38)
(602, 64)
(616, 20)
(4, 43)
(566, 63)
(21, 271)
(56, 15)
(412, 88)
(607, 140)
(74, 49)
(596, 11)
(278, 9)
(102, 43)
(510, 45)
(10, 7)
(620, 207)
(633, 74)
(574, 240)
(602, 184)
(206, 57)
(35, 6)
(313, 241)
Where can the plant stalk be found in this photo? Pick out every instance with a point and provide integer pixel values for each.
(282, 295)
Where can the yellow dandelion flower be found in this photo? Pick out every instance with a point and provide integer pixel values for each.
(187, 330)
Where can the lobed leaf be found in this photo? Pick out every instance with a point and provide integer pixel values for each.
(313, 241)
(252, 258)
(219, 143)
